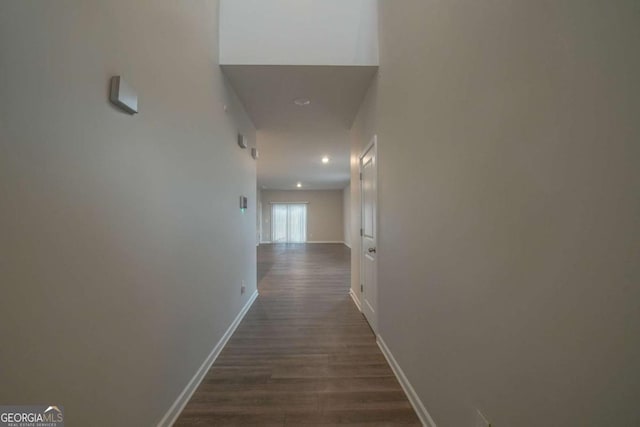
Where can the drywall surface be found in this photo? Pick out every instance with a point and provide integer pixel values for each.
(324, 212)
(510, 282)
(346, 215)
(290, 157)
(122, 245)
(294, 32)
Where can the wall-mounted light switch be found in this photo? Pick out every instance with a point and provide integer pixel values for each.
(243, 203)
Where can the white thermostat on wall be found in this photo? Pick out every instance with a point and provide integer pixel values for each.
(123, 96)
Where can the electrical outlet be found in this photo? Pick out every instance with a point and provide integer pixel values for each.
(481, 421)
(243, 288)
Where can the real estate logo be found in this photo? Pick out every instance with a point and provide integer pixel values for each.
(31, 416)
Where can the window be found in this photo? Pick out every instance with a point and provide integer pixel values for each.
(289, 223)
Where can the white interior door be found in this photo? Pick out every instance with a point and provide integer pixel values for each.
(368, 255)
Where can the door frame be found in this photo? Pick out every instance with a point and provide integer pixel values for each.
(259, 226)
(373, 144)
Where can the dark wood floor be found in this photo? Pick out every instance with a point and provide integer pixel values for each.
(303, 355)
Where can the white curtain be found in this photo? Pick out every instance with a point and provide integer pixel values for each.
(289, 223)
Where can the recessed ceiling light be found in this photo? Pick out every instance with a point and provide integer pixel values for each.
(299, 185)
(302, 101)
(325, 159)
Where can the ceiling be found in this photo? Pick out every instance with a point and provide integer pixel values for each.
(287, 158)
(292, 139)
(268, 92)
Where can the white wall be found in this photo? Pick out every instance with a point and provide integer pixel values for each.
(510, 284)
(298, 32)
(122, 245)
(346, 215)
(324, 212)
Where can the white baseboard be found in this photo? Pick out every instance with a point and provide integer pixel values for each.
(355, 299)
(308, 241)
(421, 411)
(174, 411)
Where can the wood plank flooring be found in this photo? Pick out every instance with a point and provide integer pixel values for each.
(303, 355)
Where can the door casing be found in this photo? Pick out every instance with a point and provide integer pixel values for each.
(369, 260)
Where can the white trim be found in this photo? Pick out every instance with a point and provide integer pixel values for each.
(174, 411)
(421, 411)
(308, 241)
(265, 242)
(372, 145)
(347, 245)
(355, 299)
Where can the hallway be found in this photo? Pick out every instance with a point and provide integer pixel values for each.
(303, 355)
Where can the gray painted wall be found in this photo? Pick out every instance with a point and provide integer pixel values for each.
(122, 246)
(295, 33)
(511, 282)
(324, 212)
